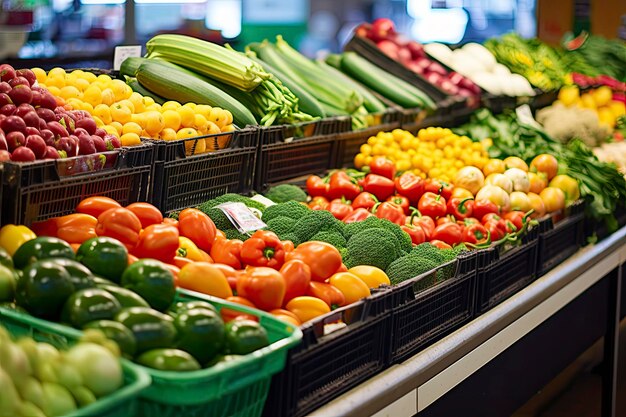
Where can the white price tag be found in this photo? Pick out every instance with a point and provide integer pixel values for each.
(123, 52)
(242, 217)
(525, 116)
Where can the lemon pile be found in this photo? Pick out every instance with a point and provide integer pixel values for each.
(129, 115)
(434, 153)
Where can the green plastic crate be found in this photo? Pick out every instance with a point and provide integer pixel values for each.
(121, 403)
(237, 388)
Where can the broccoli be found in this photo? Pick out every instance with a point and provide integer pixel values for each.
(356, 227)
(334, 238)
(316, 221)
(290, 209)
(281, 225)
(447, 271)
(344, 253)
(229, 198)
(408, 267)
(292, 236)
(375, 247)
(224, 224)
(235, 234)
(428, 251)
(403, 237)
(286, 192)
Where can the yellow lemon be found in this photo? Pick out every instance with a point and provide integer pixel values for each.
(154, 123)
(108, 97)
(131, 127)
(137, 100)
(186, 133)
(117, 126)
(170, 105)
(57, 73)
(120, 113)
(103, 112)
(200, 123)
(167, 134)
(172, 119)
(93, 95)
(187, 116)
(218, 117)
(40, 74)
(130, 139)
(119, 90)
(111, 130)
(204, 109)
(128, 104)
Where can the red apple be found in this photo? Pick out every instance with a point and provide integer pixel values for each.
(404, 55)
(99, 143)
(46, 114)
(24, 108)
(37, 97)
(28, 74)
(5, 156)
(86, 145)
(58, 129)
(88, 124)
(73, 146)
(31, 131)
(13, 124)
(416, 49)
(23, 154)
(19, 81)
(48, 101)
(4, 87)
(7, 72)
(37, 145)
(382, 28)
(389, 48)
(51, 153)
(100, 132)
(21, 94)
(8, 109)
(434, 78)
(436, 67)
(47, 136)
(31, 119)
(3, 141)
(112, 142)
(15, 140)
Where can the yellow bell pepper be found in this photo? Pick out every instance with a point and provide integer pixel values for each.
(373, 277)
(188, 249)
(352, 287)
(13, 236)
(307, 308)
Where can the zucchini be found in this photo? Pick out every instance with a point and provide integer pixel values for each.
(175, 83)
(130, 66)
(138, 88)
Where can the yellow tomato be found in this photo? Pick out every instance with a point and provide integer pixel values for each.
(137, 100)
(569, 95)
(461, 193)
(103, 112)
(111, 130)
(167, 134)
(154, 123)
(602, 96)
(187, 116)
(536, 203)
(93, 95)
(108, 97)
(40, 74)
(568, 185)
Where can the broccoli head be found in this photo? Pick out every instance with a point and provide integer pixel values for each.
(334, 238)
(290, 209)
(447, 271)
(351, 229)
(403, 237)
(428, 251)
(292, 237)
(375, 247)
(232, 198)
(281, 225)
(410, 266)
(286, 192)
(316, 221)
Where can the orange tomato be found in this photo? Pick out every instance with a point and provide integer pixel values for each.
(553, 199)
(494, 166)
(536, 203)
(545, 163)
(205, 278)
(537, 181)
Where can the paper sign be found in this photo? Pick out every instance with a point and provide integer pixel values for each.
(123, 52)
(525, 116)
(241, 217)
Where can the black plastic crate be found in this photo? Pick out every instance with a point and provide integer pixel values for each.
(323, 367)
(348, 143)
(183, 180)
(560, 238)
(425, 310)
(290, 151)
(504, 271)
(39, 190)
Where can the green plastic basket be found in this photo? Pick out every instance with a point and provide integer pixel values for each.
(122, 403)
(236, 388)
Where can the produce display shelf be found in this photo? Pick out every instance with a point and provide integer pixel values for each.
(121, 403)
(182, 179)
(34, 191)
(324, 366)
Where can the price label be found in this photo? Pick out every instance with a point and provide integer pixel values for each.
(525, 116)
(241, 217)
(123, 52)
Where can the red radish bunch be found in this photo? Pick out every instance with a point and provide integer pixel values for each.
(411, 54)
(33, 127)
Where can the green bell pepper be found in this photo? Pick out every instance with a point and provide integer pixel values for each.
(152, 280)
(104, 256)
(41, 248)
(244, 336)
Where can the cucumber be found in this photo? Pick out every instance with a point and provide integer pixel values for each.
(130, 66)
(138, 88)
(393, 88)
(173, 82)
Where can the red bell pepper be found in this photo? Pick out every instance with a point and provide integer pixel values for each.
(316, 187)
(490, 217)
(436, 186)
(263, 249)
(402, 202)
(391, 212)
(469, 221)
(383, 167)
(507, 225)
(444, 220)
(357, 215)
(264, 287)
(364, 200)
(198, 227)
(495, 231)
(410, 186)
(121, 224)
(297, 277)
(157, 241)
(482, 207)
(327, 293)
(318, 203)
(450, 233)
(227, 251)
(516, 217)
(432, 205)
(476, 234)
(378, 185)
(339, 208)
(440, 244)
(96, 205)
(340, 185)
(415, 232)
(146, 213)
(460, 208)
(426, 223)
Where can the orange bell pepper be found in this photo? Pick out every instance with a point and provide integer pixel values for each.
(198, 227)
(179, 261)
(227, 251)
(287, 245)
(121, 224)
(219, 233)
(205, 278)
(76, 228)
(228, 314)
(327, 293)
(230, 273)
(188, 249)
(97, 205)
(352, 287)
(157, 241)
(297, 276)
(263, 248)
(307, 308)
(323, 259)
(286, 315)
(264, 286)
(373, 277)
(146, 213)
(169, 220)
